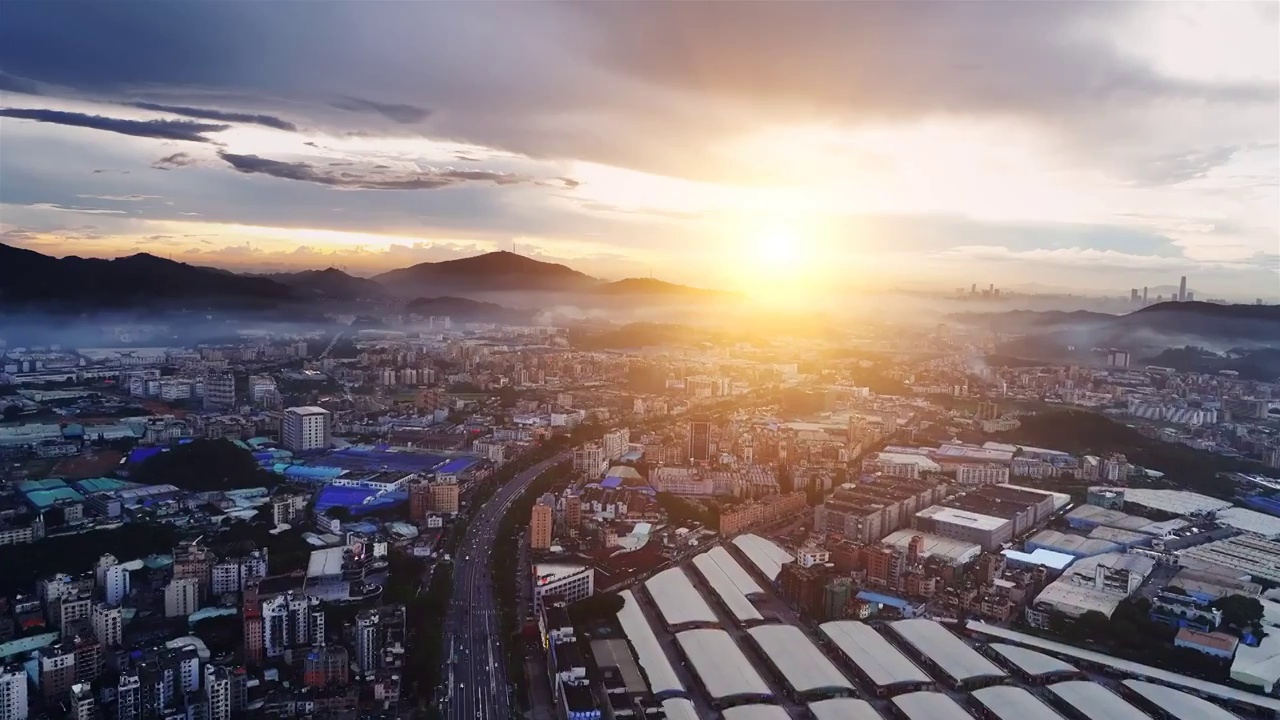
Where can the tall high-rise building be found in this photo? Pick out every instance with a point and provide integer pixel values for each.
(290, 620)
(181, 597)
(251, 610)
(1144, 294)
(540, 527)
(1182, 289)
(13, 693)
(1133, 295)
(699, 440)
(367, 641)
(217, 692)
(306, 428)
(108, 624)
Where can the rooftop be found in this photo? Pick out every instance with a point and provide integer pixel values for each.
(723, 669)
(764, 554)
(955, 552)
(1006, 702)
(949, 652)
(939, 513)
(678, 600)
(930, 706)
(1032, 663)
(798, 660)
(1201, 687)
(844, 709)
(653, 660)
(1179, 705)
(875, 656)
(725, 589)
(1095, 701)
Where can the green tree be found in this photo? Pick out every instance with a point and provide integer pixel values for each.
(1239, 612)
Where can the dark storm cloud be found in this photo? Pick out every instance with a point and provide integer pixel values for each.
(396, 112)
(372, 180)
(159, 129)
(175, 160)
(270, 121)
(642, 85)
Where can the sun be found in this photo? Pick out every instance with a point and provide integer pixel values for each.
(777, 249)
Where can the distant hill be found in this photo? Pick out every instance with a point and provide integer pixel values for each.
(30, 279)
(650, 287)
(1069, 337)
(464, 310)
(491, 272)
(330, 284)
(1017, 321)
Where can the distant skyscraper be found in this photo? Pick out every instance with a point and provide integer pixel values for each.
(700, 440)
(1190, 296)
(1144, 294)
(1133, 295)
(1182, 289)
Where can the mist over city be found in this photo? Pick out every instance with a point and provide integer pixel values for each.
(690, 360)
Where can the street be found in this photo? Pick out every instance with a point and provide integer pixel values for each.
(477, 670)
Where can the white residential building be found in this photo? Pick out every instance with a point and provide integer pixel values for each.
(181, 597)
(306, 428)
(13, 693)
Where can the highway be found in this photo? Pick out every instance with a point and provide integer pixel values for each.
(477, 672)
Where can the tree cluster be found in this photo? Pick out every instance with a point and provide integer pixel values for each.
(203, 466)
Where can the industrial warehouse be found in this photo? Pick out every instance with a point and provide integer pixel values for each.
(712, 641)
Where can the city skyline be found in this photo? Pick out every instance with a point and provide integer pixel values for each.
(628, 142)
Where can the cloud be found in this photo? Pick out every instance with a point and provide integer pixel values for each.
(402, 113)
(270, 121)
(370, 180)
(76, 209)
(179, 159)
(15, 84)
(120, 198)
(1174, 168)
(660, 88)
(159, 129)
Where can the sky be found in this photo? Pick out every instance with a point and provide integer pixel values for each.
(1074, 145)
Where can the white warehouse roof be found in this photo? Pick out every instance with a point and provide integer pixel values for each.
(844, 709)
(678, 600)
(662, 677)
(1006, 702)
(723, 669)
(679, 709)
(955, 552)
(764, 554)
(882, 663)
(740, 577)
(756, 712)
(725, 588)
(1203, 687)
(930, 706)
(1032, 663)
(947, 651)
(798, 660)
(1096, 702)
(1179, 705)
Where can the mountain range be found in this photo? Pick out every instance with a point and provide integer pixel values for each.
(1205, 337)
(31, 279)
